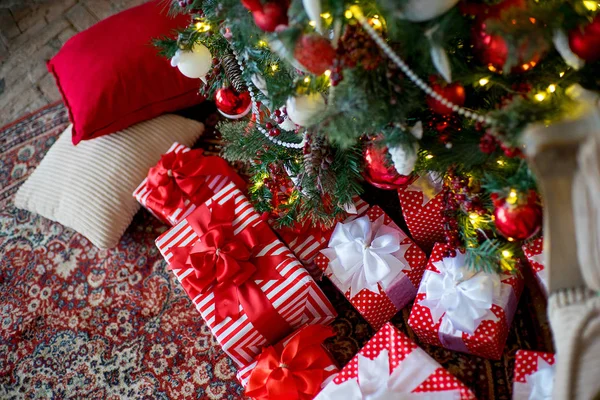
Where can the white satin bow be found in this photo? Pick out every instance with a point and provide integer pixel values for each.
(362, 254)
(461, 296)
(376, 383)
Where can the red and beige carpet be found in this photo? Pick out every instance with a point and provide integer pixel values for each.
(79, 322)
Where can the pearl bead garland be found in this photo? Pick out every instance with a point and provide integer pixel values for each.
(256, 114)
(411, 75)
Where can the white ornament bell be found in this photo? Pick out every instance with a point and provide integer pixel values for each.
(419, 10)
(303, 109)
(193, 64)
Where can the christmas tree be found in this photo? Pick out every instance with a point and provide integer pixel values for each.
(322, 95)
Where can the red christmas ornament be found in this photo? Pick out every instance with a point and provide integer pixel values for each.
(379, 170)
(232, 104)
(315, 53)
(518, 220)
(453, 92)
(268, 16)
(586, 42)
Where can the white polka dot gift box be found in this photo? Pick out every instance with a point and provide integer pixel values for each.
(422, 204)
(182, 180)
(248, 287)
(534, 375)
(376, 265)
(391, 366)
(534, 251)
(297, 368)
(464, 310)
(306, 241)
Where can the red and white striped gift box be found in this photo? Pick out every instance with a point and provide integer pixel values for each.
(307, 245)
(392, 366)
(173, 217)
(534, 251)
(534, 375)
(439, 323)
(379, 308)
(295, 297)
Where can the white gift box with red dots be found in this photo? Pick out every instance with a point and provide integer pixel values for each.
(534, 251)
(490, 335)
(527, 364)
(379, 308)
(423, 214)
(404, 354)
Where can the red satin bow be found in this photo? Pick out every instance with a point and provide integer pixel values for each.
(293, 371)
(181, 176)
(228, 266)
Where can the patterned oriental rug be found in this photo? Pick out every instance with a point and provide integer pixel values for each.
(79, 322)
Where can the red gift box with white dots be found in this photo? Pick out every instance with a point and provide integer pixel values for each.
(527, 363)
(379, 308)
(534, 251)
(489, 337)
(399, 348)
(422, 211)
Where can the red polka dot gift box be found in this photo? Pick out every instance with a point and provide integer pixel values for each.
(422, 205)
(462, 309)
(182, 180)
(534, 375)
(248, 287)
(297, 368)
(306, 241)
(392, 366)
(375, 264)
(534, 251)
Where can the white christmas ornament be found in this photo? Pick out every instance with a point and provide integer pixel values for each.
(561, 42)
(439, 57)
(313, 10)
(287, 125)
(405, 158)
(193, 64)
(420, 10)
(303, 109)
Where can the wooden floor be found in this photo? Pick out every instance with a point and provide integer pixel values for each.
(31, 32)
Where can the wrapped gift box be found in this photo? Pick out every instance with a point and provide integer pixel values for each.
(462, 309)
(294, 369)
(534, 375)
(306, 241)
(534, 251)
(182, 180)
(391, 366)
(248, 287)
(422, 204)
(376, 265)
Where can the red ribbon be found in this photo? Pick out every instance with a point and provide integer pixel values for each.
(293, 371)
(182, 176)
(228, 266)
(303, 230)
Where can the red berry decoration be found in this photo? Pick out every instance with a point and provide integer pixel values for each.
(487, 144)
(517, 219)
(379, 170)
(315, 53)
(268, 16)
(232, 104)
(586, 42)
(453, 92)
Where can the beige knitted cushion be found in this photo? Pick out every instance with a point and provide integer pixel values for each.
(88, 187)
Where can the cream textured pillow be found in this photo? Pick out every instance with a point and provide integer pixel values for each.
(88, 187)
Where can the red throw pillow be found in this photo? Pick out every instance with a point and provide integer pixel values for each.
(110, 76)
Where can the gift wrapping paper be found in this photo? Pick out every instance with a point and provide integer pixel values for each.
(174, 215)
(392, 366)
(422, 204)
(307, 241)
(534, 251)
(295, 296)
(302, 355)
(394, 268)
(534, 375)
(464, 310)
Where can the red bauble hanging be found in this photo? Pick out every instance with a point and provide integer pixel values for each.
(453, 92)
(268, 16)
(586, 42)
(518, 220)
(379, 170)
(232, 104)
(315, 53)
